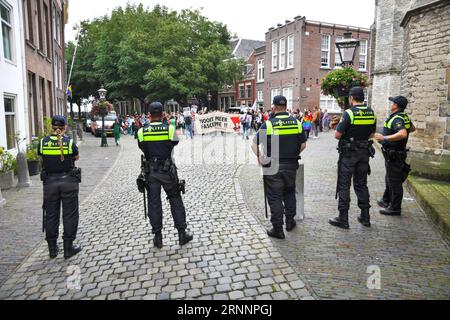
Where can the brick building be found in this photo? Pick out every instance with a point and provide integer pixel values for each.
(300, 53)
(43, 22)
(231, 97)
(260, 54)
(412, 58)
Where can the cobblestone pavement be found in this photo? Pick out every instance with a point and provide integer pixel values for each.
(413, 259)
(21, 217)
(231, 256)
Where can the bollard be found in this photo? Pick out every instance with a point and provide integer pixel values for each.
(80, 131)
(74, 137)
(300, 193)
(2, 201)
(22, 171)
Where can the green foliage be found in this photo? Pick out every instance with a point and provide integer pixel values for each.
(6, 161)
(155, 54)
(32, 152)
(339, 81)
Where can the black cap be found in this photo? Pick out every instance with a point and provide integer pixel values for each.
(401, 101)
(156, 107)
(58, 121)
(280, 101)
(357, 92)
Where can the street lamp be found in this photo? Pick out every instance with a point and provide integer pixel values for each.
(209, 97)
(103, 113)
(347, 50)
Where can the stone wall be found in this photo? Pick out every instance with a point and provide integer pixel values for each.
(425, 73)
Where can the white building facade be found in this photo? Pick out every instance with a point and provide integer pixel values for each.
(13, 113)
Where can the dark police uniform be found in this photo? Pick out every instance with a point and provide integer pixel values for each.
(61, 185)
(281, 137)
(395, 161)
(357, 125)
(157, 142)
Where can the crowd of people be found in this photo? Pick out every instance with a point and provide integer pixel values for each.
(312, 122)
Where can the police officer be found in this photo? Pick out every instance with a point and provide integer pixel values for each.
(157, 142)
(282, 139)
(61, 185)
(394, 140)
(357, 126)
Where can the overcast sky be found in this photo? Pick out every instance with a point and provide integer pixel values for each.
(249, 19)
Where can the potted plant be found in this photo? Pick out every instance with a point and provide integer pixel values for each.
(339, 82)
(34, 163)
(6, 169)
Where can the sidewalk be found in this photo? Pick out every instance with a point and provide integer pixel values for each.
(21, 216)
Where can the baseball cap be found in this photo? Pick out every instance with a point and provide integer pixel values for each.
(280, 101)
(401, 101)
(156, 107)
(356, 92)
(58, 121)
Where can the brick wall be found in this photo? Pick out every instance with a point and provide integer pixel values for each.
(425, 76)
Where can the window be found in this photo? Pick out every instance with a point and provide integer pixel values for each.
(42, 41)
(363, 55)
(274, 56)
(260, 97)
(329, 103)
(337, 56)
(241, 91)
(47, 35)
(275, 92)
(290, 63)
(261, 70)
(10, 121)
(248, 90)
(54, 21)
(325, 51)
(282, 53)
(5, 15)
(287, 92)
(58, 28)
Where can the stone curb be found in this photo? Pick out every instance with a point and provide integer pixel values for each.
(439, 217)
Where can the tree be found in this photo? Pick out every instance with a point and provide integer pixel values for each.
(155, 54)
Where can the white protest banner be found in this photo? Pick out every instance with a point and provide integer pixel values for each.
(212, 122)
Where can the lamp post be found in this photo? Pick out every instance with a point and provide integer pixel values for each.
(347, 50)
(103, 113)
(209, 97)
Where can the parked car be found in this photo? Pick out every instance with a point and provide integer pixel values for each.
(87, 124)
(96, 125)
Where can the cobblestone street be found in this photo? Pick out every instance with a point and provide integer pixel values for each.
(413, 259)
(231, 256)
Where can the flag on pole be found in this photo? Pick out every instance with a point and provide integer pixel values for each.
(69, 91)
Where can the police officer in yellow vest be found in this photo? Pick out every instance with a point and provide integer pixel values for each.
(357, 126)
(394, 140)
(157, 142)
(61, 185)
(282, 139)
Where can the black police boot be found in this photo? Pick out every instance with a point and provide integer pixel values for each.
(184, 237)
(382, 203)
(364, 218)
(290, 224)
(341, 221)
(158, 240)
(276, 233)
(53, 249)
(70, 250)
(390, 212)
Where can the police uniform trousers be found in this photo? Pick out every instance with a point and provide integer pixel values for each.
(168, 181)
(61, 189)
(393, 193)
(353, 164)
(280, 190)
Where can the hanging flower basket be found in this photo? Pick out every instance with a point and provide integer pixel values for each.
(101, 108)
(339, 82)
